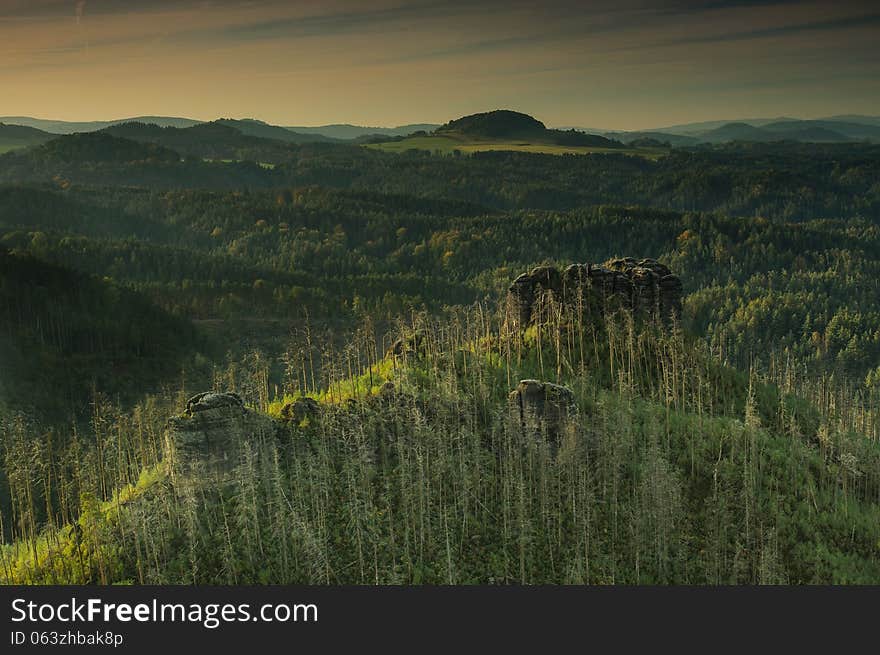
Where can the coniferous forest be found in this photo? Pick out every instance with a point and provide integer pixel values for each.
(707, 412)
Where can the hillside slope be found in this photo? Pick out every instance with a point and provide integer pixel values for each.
(647, 463)
(17, 136)
(64, 335)
(71, 127)
(252, 127)
(507, 125)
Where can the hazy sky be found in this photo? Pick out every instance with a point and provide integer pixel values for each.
(605, 64)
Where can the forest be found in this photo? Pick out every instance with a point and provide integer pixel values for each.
(356, 303)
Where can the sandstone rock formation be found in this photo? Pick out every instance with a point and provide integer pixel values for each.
(213, 429)
(301, 408)
(542, 407)
(411, 344)
(645, 287)
(212, 400)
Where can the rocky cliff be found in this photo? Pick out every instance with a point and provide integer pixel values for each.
(645, 287)
(212, 431)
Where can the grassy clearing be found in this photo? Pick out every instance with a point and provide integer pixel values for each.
(262, 164)
(449, 144)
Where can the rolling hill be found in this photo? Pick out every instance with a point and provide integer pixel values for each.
(104, 147)
(71, 127)
(256, 128)
(676, 140)
(499, 124)
(346, 132)
(250, 126)
(504, 124)
(861, 119)
(217, 140)
(500, 130)
(790, 131)
(20, 136)
(60, 333)
(835, 129)
(845, 129)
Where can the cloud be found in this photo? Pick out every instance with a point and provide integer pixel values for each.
(418, 59)
(838, 24)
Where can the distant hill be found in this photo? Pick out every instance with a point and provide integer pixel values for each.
(498, 124)
(347, 132)
(20, 136)
(854, 118)
(204, 156)
(632, 138)
(222, 139)
(60, 332)
(736, 132)
(69, 127)
(826, 130)
(847, 129)
(504, 124)
(810, 134)
(104, 147)
(790, 130)
(696, 129)
(253, 127)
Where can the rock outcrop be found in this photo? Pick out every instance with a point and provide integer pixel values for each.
(209, 400)
(300, 409)
(656, 289)
(542, 407)
(213, 429)
(645, 287)
(411, 344)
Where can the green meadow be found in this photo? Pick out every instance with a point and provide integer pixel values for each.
(448, 144)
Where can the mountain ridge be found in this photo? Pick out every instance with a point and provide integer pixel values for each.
(848, 126)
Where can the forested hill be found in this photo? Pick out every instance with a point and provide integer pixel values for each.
(357, 302)
(787, 181)
(16, 136)
(64, 335)
(102, 148)
(501, 123)
(512, 125)
(263, 130)
(451, 458)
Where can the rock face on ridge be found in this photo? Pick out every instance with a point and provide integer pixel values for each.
(213, 430)
(301, 408)
(542, 407)
(646, 287)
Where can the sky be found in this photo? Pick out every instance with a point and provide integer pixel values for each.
(604, 64)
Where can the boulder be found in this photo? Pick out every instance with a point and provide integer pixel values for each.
(212, 430)
(301, 408)
(542, 406)
(209, 400)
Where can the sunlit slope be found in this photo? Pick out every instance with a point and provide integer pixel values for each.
(416, 468)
